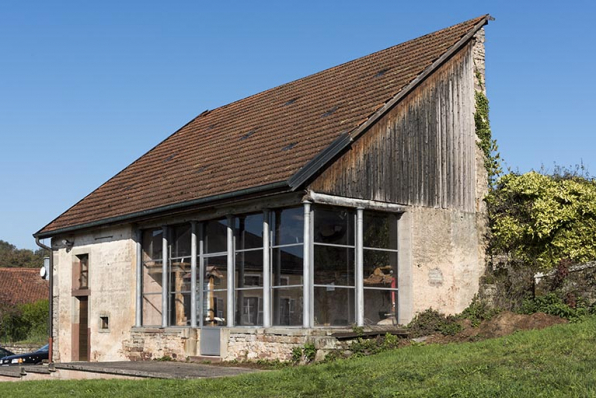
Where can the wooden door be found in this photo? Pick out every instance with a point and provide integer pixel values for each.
(83, 329)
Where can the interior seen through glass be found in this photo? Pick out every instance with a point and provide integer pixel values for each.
(334, 255)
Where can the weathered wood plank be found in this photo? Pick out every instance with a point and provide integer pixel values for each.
(421, 152)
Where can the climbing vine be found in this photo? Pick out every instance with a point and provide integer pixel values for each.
(486, 143)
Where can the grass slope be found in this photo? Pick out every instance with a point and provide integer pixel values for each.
(558, 361)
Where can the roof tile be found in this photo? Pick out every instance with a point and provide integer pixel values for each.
(22, 285)
(240, 145)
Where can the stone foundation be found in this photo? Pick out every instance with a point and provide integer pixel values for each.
(242, 344)
(151, 344)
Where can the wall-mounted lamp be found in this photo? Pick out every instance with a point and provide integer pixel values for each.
(68, 244)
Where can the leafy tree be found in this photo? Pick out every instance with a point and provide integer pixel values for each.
(25, 322)
(10, 256)
(541, 219)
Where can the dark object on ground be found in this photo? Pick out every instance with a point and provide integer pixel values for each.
(28, 358)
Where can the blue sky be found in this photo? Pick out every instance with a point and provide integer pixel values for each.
(88, 87)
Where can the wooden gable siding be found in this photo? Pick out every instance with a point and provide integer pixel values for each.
(422, 152)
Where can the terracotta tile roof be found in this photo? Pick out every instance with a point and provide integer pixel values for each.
(22, 285)
(262, 139)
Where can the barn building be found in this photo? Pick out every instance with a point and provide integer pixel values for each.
(353, 196)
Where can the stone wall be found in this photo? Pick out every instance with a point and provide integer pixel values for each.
(111, 292)
(253, 344)
(154, 343)
(446, 261)
(21, 348)
(574, 283)
(243, 344)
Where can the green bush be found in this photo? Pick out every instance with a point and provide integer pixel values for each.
(478, 311)
(541, 219)
(364, 347)
(554, 305)
(28, 322)
(431, 321)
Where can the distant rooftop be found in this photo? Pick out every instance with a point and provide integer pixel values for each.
(22, 285)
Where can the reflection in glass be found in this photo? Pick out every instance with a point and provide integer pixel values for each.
(180, 241)
(334, 306)
(249, 308)
(249, 231)
(216, 236)
(152, 245)
(287, 306)
(287, 266)
(249, 269)
(334, 225)
(333, 265)
(287, 226)
(380, 230)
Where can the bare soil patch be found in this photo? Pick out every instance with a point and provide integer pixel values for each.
(502, 324)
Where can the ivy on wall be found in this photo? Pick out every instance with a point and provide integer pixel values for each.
(492, 159)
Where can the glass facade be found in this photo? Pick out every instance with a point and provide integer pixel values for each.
(179, 275)
(213, 264)
(152, 277)
(380, 267)
(273, 272)
(287, 266)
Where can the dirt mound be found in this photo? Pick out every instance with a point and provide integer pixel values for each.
(501, 325)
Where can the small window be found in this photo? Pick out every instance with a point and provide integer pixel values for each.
(104, 323)
(83, 271)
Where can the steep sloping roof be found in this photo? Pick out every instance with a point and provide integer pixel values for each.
(22, 285)
(264, 140)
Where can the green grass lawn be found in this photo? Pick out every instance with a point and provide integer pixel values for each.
(555, 362)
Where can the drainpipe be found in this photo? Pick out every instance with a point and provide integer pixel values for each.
(51, 295)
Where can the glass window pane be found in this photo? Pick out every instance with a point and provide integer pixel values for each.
(214, 308)
(333, 265)
(216, 273)
(180, 277)
(287, 226)
(179, 309)
(216, 236)
(334, 225)
(152, 245)
(249, 269)
(287, 306)
(380, 230)
(249, 231)
(83, 271)
(152, 272)
(334, 306)
(379, 306)
(249, 307)
(287, 266)
(151, 309)
(180, 241)
(380, 269)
